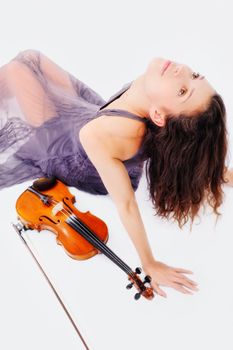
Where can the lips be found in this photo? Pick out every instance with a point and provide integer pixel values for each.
(165, 66)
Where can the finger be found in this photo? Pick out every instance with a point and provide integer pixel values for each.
(160, 291)
(191, 281)
(178, 275)
(181, 270)
(186, 283)
(181, 289)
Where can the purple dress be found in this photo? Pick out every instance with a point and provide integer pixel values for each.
(42, 109)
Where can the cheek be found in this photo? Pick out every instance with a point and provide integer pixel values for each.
(155, 64)
(159, 92)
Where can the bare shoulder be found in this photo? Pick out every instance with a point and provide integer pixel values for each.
(121, 136)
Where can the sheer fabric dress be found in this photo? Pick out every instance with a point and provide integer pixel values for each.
(42, 109)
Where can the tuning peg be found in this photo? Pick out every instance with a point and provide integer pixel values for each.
(137, 295)
(138, 270)
(147, 279)
(129, 285)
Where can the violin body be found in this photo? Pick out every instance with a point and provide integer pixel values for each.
(36, 215)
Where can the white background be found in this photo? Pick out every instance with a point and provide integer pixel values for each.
(106, 44)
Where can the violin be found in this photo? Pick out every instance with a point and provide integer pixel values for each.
(48, 204)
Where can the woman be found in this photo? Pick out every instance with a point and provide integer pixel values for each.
(170, 117)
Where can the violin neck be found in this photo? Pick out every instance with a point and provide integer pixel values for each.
(91, 237)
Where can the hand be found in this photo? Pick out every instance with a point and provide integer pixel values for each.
(168, 276)
(228, 175)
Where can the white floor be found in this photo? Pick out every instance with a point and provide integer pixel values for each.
(94, 291)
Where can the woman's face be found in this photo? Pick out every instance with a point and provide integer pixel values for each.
(177, 90)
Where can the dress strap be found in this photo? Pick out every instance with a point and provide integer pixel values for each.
(117, 94)
(118, 111)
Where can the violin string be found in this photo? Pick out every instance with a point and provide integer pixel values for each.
(95, 238)
(124, 266)
(110, 254)
(100, 244)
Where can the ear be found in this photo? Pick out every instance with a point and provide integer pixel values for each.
(157, 117)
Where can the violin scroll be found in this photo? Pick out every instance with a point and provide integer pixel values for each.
(147, 292)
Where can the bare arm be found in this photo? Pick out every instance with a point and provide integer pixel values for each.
(115, 176)
(132, 221)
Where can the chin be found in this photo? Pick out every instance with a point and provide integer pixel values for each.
(153, 70)
(156, 64)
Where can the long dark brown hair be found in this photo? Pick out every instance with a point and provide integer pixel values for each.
(185, 162)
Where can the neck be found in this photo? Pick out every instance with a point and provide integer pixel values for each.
(134, 100)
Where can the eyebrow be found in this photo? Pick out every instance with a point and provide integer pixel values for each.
(202, 77)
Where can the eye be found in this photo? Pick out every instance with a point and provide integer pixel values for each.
(195, 75)
(182, 92)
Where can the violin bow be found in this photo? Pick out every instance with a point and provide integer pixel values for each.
(19, 228)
